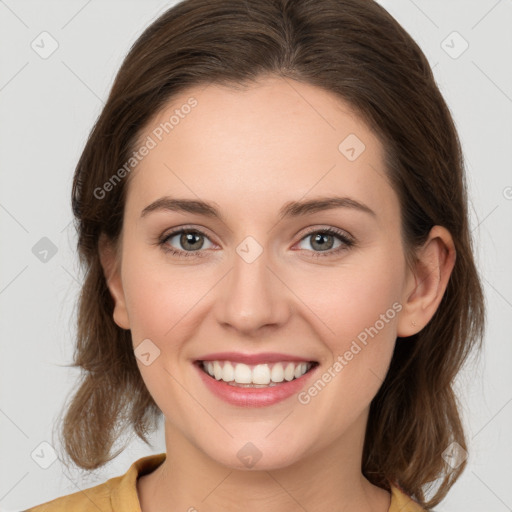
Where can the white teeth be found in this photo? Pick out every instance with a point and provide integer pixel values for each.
(289, 371)
(228, 372)
(242, 374)
(259, 375)
(300, 370)
(277, 373)
(217, 370)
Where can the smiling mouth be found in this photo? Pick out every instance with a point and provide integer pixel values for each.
(256, 376)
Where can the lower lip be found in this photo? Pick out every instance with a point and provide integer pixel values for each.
(254, 397)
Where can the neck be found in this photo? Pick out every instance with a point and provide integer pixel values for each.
(326, 479)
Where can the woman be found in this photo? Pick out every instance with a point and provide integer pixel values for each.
(272, 214)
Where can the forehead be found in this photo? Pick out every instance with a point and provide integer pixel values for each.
(260, 146)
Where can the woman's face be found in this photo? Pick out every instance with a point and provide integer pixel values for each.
(251, 281)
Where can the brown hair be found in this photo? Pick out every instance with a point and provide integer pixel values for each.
(352, 48)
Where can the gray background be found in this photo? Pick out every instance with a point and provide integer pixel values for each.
(47, 107)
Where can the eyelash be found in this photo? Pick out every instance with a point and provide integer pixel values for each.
(347, 243)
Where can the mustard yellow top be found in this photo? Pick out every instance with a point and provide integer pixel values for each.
(119, 494)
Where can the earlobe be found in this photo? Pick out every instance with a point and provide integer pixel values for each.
(111, 271)
(434, 265)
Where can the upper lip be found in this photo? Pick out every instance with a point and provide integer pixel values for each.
(251, 359)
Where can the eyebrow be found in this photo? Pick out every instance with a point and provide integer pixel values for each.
(291, 209)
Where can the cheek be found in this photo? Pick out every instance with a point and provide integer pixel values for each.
(157, 295)
(362, 317)
(355, 295)
(359, 305)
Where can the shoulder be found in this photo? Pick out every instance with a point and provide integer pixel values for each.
(401, 502)
(91, 499)
(116, 494)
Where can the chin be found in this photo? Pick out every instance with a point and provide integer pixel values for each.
(256, 455)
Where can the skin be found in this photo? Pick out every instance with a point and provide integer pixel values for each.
(250, 152)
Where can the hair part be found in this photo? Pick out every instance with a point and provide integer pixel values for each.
(359, 52)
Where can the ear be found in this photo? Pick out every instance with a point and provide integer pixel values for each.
(112, 272)
(427, 281)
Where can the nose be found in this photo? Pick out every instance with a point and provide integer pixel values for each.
(253, 296)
